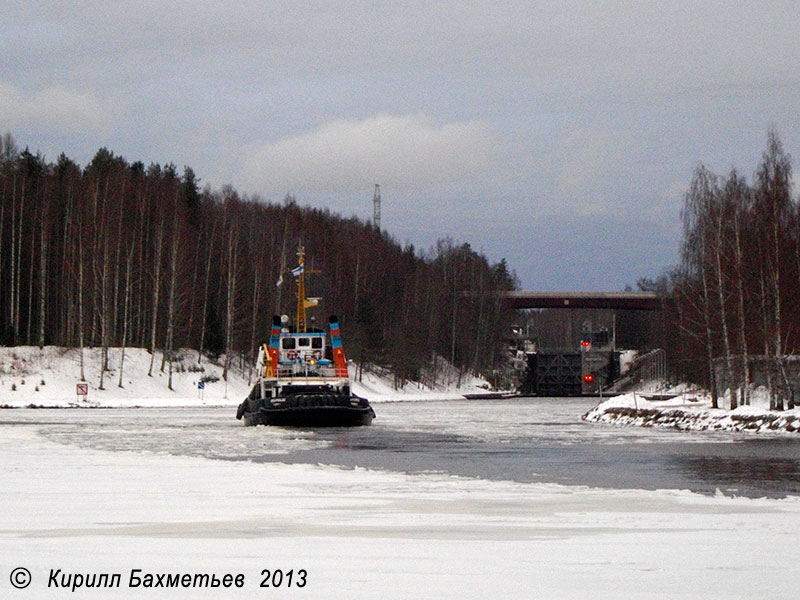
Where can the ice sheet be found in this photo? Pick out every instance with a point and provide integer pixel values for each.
(368, 534)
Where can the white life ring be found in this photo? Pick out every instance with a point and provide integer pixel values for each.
(291, 354)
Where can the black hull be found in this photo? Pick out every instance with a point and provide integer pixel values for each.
(308, 410)
(310, 417)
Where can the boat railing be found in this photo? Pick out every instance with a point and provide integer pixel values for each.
(311, 372)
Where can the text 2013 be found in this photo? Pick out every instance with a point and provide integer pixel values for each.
(278, 578)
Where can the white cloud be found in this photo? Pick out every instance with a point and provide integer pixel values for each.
(58, 108)
(345, 155)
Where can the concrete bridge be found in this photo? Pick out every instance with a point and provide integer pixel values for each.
(609, 300)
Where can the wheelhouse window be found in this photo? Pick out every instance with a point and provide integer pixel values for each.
(316, 342)
(288, 343)
(303, 342)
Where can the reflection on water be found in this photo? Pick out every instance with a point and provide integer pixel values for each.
(743, 471)
(529, 440)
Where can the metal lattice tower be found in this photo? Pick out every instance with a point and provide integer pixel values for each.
(376, 207)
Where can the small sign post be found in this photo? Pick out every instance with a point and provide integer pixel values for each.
(82, 389)
(200, 387)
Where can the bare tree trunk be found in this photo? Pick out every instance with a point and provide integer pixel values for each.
(196, 264)
(103, 316)
(12, 313)
(480, 325)
(42, 285)
(355, 289)
(66, 316)
(3, 314)
(31, 263)
(709, 335)
(453, 331)
(765, 323)
(96, 237)
(283, 264)
(229, 314)
(254, 320)
(723, 314)
(173, 276)
(173, 267)
(681, 338)
(205, 293)
(744, 392)
(779, 350)
(16, 274)
(156, 290)
(117, 250)
(43, 268)
(127, 301)
(140, 330)
(80, 295)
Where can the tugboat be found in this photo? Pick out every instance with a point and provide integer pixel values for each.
(302, 380)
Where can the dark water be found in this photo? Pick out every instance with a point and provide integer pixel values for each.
(527, 440)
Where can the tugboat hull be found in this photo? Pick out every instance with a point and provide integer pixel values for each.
(307, 410)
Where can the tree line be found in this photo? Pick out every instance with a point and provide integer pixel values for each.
(732, 300)
(119, 254)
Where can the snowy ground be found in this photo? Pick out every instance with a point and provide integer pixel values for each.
(48, 378)
(692, 411)
(367, 534)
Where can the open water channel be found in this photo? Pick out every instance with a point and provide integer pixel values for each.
(524, 440)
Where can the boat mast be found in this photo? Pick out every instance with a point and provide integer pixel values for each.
(301, 291)
(302, 302)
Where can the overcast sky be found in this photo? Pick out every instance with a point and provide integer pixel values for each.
(559, 135)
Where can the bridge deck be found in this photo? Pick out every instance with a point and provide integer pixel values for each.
(610, 300)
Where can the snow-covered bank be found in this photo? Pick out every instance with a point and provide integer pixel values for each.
(378, 387)
(368, 534)
(692, 412)
(47, 377)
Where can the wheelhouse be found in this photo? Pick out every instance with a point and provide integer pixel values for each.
(308, 347)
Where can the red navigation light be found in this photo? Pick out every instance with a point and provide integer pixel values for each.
(586, 343)
(588, 378)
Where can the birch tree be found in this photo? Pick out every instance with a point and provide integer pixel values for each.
(695, 215)
(772, 206)
(739, 193)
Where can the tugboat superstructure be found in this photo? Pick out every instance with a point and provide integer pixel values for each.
(303, 380)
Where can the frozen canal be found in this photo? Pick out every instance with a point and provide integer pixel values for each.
(461, 499)
(529, 440)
